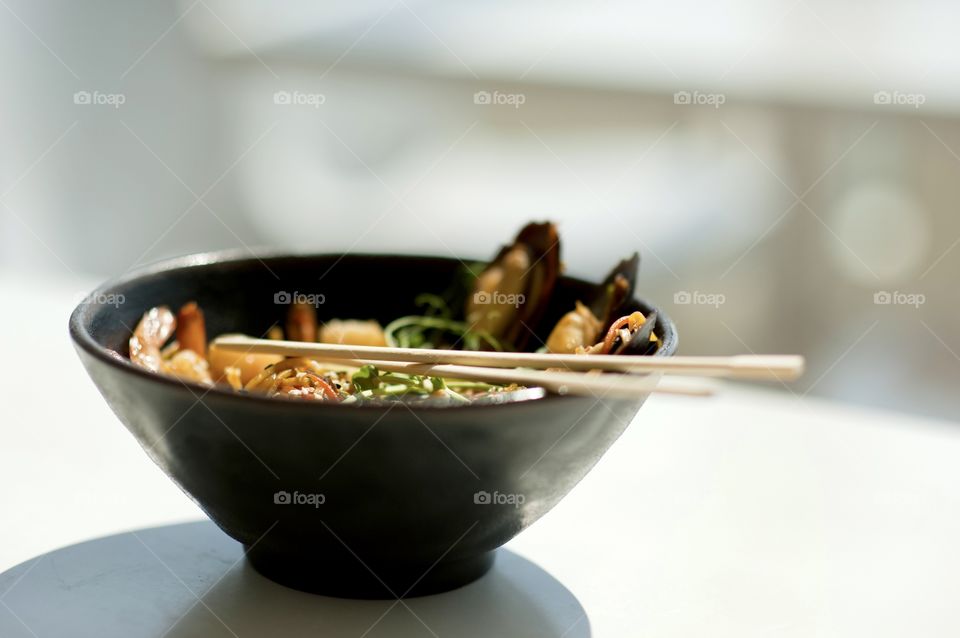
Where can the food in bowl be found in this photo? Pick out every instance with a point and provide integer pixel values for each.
(501, 302)
(404, 483)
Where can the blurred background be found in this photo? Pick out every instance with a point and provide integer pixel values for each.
(788, 170)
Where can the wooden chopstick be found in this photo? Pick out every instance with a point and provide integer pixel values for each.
(617, 386)
(758, 367)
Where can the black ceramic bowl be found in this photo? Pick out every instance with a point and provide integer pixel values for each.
(346, 500)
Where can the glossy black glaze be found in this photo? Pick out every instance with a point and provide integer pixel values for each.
(400, 515)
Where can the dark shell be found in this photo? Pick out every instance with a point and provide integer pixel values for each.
(543, 240)
(640, 343)
(615, 291)
(542, 243)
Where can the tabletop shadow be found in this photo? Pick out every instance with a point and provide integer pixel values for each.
(190, 580)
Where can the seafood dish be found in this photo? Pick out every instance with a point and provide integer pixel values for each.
(240, 429)
(498, 306)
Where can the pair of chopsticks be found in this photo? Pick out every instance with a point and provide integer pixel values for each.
(515, 367)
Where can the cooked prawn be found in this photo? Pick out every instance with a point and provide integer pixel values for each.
(147, 348)
(155, 327)
(302, 322)
(192, 329)
(187, 364)
(577, 329)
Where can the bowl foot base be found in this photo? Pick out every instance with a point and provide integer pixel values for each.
(354, 580)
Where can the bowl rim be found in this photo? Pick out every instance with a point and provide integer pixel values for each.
(82, 337)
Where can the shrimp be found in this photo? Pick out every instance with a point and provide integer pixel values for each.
(155, 327)
(146, 347)
(353, 332)
(577, 329)
(191, 329)
(187, 364)
(302, 322)
(232, 376)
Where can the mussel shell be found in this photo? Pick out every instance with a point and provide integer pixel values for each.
(610, 298)
(640, 344)
(542, 242)
(628, 268)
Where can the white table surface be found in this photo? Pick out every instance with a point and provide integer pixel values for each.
(752, 514)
